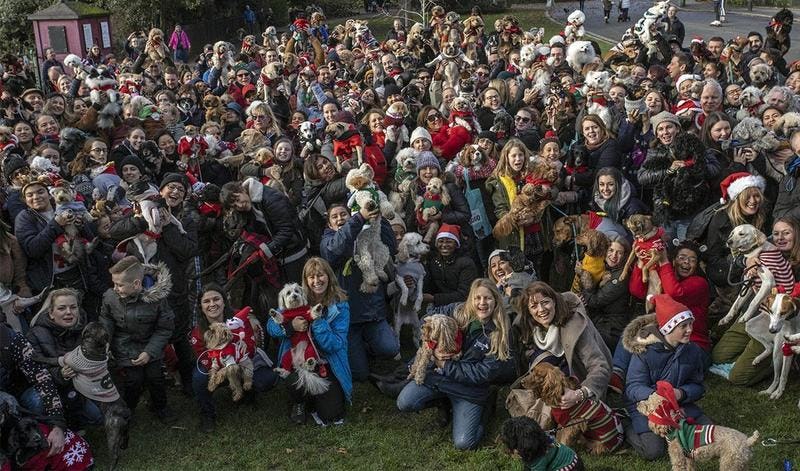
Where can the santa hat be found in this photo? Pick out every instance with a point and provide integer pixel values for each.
(669, 313)
(684, 78)
(450, 231)
(736, 183)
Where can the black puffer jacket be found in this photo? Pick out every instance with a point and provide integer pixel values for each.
(51, 341)
(609, 307)
(607, 155)
(449, 280)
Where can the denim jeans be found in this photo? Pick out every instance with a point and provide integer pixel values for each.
(467, 424)
(369, 339)
(77, 408)
(264, 378)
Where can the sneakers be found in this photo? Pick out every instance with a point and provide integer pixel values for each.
(715, 23)
(166, 416)
(298, 414)
(616, 383)
(208, 423)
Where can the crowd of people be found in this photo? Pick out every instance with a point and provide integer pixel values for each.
(162, 194)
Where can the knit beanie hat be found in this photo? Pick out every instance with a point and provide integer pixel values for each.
(736, 183)
(420, 133)
(427, 159)
(174, 177)
(669, 313)
(132, 160)
(12, 164)
(664, 116)
(450, 231)
(494, 254)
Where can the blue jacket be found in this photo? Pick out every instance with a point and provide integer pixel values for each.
(329, 333)
(337, 248)
(470, 376)
(653, 360)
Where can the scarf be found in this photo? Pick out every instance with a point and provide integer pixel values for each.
(591, 147)
(557, 458)
(549, 340)
(511, 190)
(792, 166)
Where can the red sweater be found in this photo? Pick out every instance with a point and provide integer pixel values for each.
(450, 141)
(693, 292)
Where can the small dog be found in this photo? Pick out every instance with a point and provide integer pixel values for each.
(529, 205)
(431, 203)
(70, 141)
(566, 228)
(784, 325)
(760, 75)
(227, 361)
(600, 432)
(71, 245)
(751, 103)
(524, 436)
(9, 300)
(371, 255)
(646, 238)
(593, 262)
(214, 108)
(441, 339)
(395, 116)
(222, 59)
(273, 178)
(665, 417)
(409, 253)
(93, 380)
(155, 48)
(309, 141)
(579, 53)
(303, 356)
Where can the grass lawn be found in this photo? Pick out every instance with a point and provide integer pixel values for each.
(377, 436)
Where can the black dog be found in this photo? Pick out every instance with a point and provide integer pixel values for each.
(21, 436)
(524, 436)
(70, 141)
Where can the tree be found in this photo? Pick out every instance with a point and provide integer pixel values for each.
(15, 29)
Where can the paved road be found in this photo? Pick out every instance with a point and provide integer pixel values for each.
(695, 17)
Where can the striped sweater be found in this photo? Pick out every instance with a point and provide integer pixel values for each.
(780, 268)
(602, 425)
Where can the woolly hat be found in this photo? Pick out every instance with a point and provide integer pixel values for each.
(427, 159)
(420, 133)
(174, 177)
(12, 164)
(494, 254)
(669, 313)
(398, 221)
(684, 78)
(450, 231)
(132, 160)
(344, 117)
(664, 116)
(736, 183)
(233, 106)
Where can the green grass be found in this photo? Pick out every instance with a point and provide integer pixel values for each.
(377, 436)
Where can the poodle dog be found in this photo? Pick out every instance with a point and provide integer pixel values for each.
(666, 419)
(155, 48)
(303, 356)
(593, 262)
(371, 255)
(579, 53)
(600, 430)
(751, 103)
(524, 436)
(406, 173)
(761, 75)
(363, 178)
(309, 142)
(441, 339)
(502, 125)
(430, 204)
(93, 380)
(574, 31)
(227, 361)
(409, 253)
(214, 109)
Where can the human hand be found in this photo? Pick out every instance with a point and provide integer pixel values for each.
(67, 372)
(679, 394)
(258, 329)
(56, 441)
(64, 218)
(165, 216)
(676, 164)
(141, 360)
(634, 116)
(427, 298)
(299, 324)
(578, 267)
(409, 281)
(17, 307)
(570, 398)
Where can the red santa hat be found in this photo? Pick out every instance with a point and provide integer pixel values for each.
(736, 183)
(450, 231)
(669, 313)
(684, 78)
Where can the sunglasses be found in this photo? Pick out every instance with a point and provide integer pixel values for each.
(433, 117)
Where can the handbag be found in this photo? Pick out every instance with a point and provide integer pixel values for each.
(478, 218)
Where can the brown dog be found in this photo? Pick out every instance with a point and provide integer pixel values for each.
(441, 339)
(214, 108)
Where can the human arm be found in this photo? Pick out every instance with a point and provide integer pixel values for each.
(592, 352)
(37, 376)
(129, 226)
(337, 247)
(182, 245)
(693, 287)
(20, 266)
(602, 296)
(638, 383)
(330, 334)
(484, 371)
(457, 212)
(636, 285)
(654, 169)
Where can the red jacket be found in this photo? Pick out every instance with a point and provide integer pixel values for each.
(450, 141)
(693, 292)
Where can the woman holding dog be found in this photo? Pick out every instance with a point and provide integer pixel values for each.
(614, 198)
(213, 304)
(462, 387)
(329, 333)
(662, 350)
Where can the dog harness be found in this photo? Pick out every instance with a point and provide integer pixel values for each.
(93, 379)
(602, 425)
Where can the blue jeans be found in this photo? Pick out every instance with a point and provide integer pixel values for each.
(369, 339)
(78, 408)
(264, 378)
(467, 424)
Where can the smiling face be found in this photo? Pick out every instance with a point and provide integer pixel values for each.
(783, 236)
(317, 282)
(64, 311)
(136, 138)
(337, 217)
(615, 255)
(483, 302)
(666, 132)
(606, 186)
(592, 132)
(720, 131)
(685, 263)
(749, 201)
(37, 198)
(542, 309)
(212, 303)
(499, 268)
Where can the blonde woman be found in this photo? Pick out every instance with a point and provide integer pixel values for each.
(463, 386)
(329, 333)
(261, 118)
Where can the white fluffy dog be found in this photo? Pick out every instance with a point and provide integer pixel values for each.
(409, 253)
(580, 53)
(574, 31)
(223, 59)
(370, 254)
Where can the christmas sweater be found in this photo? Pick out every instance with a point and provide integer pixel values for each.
(558, 458)
(603, 425)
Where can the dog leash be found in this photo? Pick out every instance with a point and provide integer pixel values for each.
(770, 442)
(620, 411)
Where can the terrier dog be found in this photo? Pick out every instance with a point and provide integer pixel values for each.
(647, 238)
(395, 116)
(441, 339)
(409, 252)
(214, 108)
(309, 141)
(665, 417)
(431, 203)
(601, 429)
(227, 361)
(593, 261)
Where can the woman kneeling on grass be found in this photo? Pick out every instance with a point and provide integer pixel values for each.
(329, 333)
(464, 385)
(215, 308)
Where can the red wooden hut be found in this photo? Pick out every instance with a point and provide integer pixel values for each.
(71, 27)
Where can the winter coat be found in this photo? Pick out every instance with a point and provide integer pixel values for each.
(143, 323)
(606, 155)
(654, 360)
(530, 137)
(51, 341)
(609, 307)
(788, 202)
(14, 204)
(291, 177)
(675, 27)
(457, 212)
(470, 376)
(588, 357)
(337, 248)
(13, 267)
(36, 237)
(329, 333)
(718, 257)
(677, 194)
(693, 292)
(449, 280)
(317, 198)
(629, 204)
(501, 203)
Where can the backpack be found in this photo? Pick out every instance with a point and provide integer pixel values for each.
(698, 228)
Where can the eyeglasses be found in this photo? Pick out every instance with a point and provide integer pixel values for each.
(481, 74)
(101, 150)
(433, 117)
(424, 77)
(175, 188)
(521, 119)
